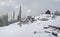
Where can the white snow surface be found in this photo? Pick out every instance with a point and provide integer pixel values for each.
(27, 30)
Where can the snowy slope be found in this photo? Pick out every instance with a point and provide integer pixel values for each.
(27, 30)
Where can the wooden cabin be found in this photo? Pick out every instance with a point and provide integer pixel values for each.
(48, 12)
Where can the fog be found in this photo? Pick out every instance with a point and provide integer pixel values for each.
(29, 7)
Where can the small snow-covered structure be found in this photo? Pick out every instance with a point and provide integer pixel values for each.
(29, 19)
(48, 12)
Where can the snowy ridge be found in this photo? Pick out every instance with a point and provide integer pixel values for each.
(27, 30)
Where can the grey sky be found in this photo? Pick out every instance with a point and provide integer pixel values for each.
(33, 7)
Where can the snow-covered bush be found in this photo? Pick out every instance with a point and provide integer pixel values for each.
(53, 17)
(57, 13)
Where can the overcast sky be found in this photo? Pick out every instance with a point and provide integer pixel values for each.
(29, 7)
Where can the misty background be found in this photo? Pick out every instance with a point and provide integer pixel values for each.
(29, 7)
